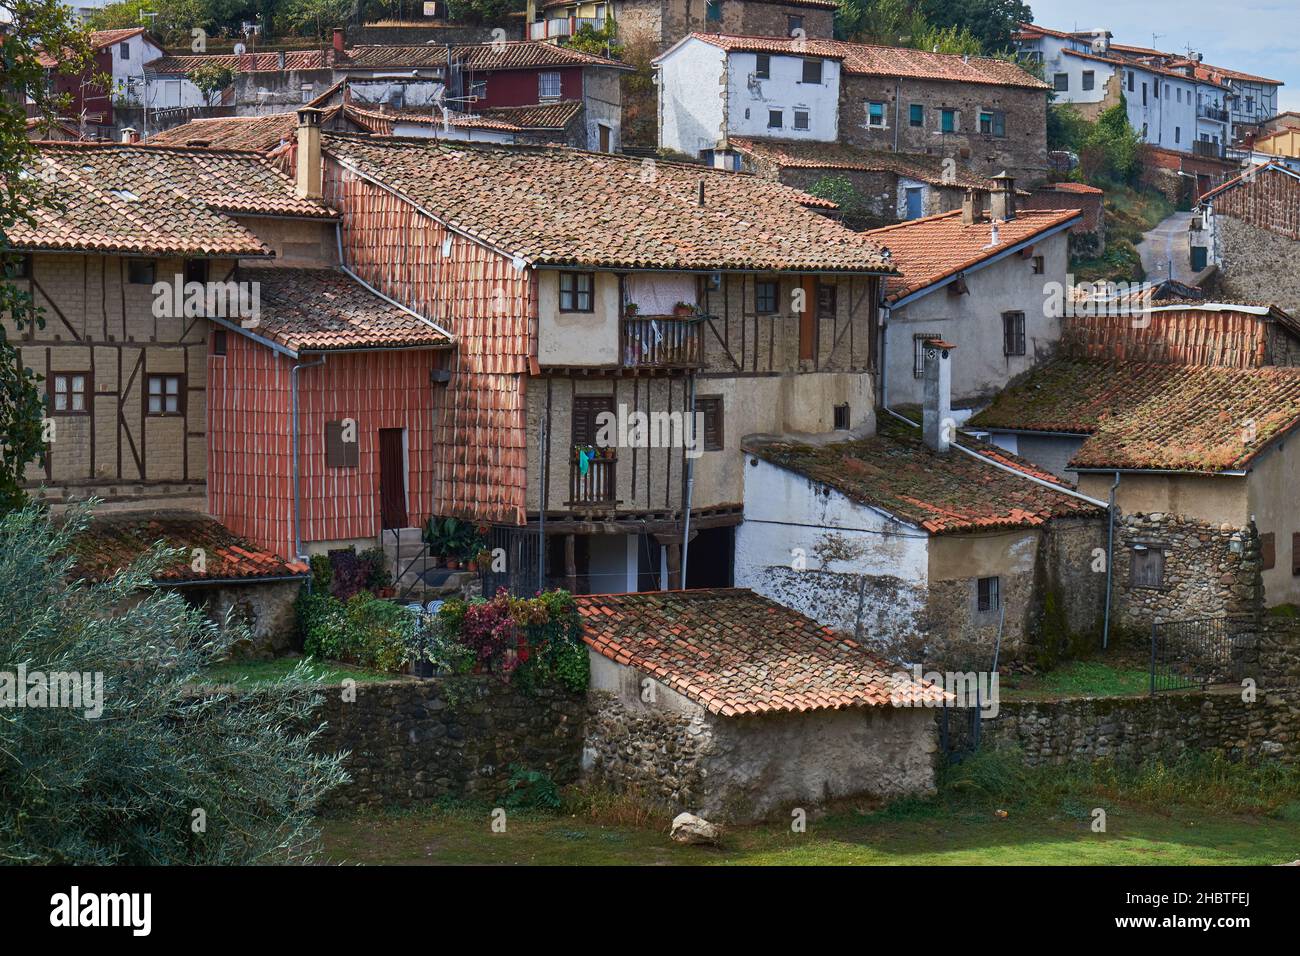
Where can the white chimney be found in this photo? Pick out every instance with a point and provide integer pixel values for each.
(308, 179)
(937, 427)
(130, 135)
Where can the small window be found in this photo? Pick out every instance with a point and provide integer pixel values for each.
(840, 414)
(826, 301)
(478, 89)
(586, 411)
(140, 271)
(710, 406)
(218, 342)
(124, 51)
(69, 393)
(800, 119)
(1089, 79)
(18, 267)
(1061, 82)
(774, 119)
(1295, 554)
(713, 11)
(918, 352)
(1268, 550)
(765, 296)
(576, 291)
(1013, 333)
(1130, 81)
(196, 270)
(1148, 567)
(875, 114)
(916, 115)
(988, 595)
(305, 91)
(548, 85)
(993, 122)
(1250, 104)
(793, 25)
(1039, 264)
(1144, 94)
(1178, 134)
(762, 66)
(165, 394)
(342, 450)
(812, 71)
(948, 121)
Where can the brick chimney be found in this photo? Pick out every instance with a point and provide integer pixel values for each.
(936, 414)
(1002, 203)
(130, 135)
(308, 179)
(972, 207)
(338, 41)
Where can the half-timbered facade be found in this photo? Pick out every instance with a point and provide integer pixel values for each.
(595, 301)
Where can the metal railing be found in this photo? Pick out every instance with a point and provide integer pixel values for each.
(663, 341)
(1202, 147)
(1211, 113)
(1192, 654)
(400, 571)
(519, 549)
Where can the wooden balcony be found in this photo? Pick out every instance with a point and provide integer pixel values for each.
(663, 341)
(597, 488)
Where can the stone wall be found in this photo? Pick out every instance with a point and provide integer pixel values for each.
(266, 609)
(1209, 570)
(1257, 265)
(1134, 729)
(1022, 152)
(413, 740)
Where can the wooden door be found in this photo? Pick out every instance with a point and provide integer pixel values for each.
(808, 320)
(392, 478)
(604, 137)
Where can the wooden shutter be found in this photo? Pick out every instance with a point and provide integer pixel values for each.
(1295, 553)
(585, 410)
(340, 453)
(808, 320)
(711, 407)
(1148, 568)
(1268, 550)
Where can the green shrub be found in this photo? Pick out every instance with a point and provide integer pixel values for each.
(377, 632)
(375, 562)
(531, 790)
(322, 573)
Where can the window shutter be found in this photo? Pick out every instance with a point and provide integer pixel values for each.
(340, 453)
(1268, 550)
(585, 410)
(711, 408)
(1295, 553)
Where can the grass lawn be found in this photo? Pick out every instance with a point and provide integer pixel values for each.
(1076, 679)
(264, 672)
(925, 835)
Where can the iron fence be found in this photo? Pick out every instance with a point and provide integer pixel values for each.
(1192, 654)
(516, 561)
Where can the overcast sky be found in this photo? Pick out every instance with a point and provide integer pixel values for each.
(1254, 36)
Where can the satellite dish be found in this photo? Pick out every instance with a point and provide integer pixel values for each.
(240, 49)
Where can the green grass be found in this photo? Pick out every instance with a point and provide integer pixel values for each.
(989, 810)
(265, 672)
(1128, 213)
(1076, 679)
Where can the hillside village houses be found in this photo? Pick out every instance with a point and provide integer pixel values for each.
(665, 22)
(982, 114)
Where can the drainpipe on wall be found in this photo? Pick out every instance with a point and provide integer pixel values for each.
(898, 93)
(293, 416)
(1110, 562)
(690, 485)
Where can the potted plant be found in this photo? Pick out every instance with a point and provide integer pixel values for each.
(631, 310)
(483, 559)
(683, 310)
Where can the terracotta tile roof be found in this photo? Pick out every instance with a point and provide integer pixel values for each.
(799, 155)
(115, 539)
(935, 248)
(1272, 166)
(311, 310)
(241, 63)
(737, 653)
(895, 471)
(554, 206)
(257, 133)
(378, 55)
(865, 59)
(1153, 416)
(157, 200)
(540, 116)
(527, 54)
(1083, 188)
(97, 41)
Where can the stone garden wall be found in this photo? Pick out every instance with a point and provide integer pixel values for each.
(418, 740)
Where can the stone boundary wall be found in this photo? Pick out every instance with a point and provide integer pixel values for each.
(417, 740)
(1135, 729)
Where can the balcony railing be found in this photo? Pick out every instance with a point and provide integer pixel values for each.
(663, 341)
(599, 486)
(1202, 147)
(562, 27)
(1205, 111)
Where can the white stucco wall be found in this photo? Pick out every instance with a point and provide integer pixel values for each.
(692, 97)
(750, 99)
(577, 338)
(973, 322)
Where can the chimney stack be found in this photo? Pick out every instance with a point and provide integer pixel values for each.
(338, 40)
(937, 427)
(130, 135)
(1003, 200)
(308, 179)
(972, 207)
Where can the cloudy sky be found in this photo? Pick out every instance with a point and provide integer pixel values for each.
(1255, 36)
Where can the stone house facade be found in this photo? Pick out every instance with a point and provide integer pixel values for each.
(1250, 229)
(664, 22)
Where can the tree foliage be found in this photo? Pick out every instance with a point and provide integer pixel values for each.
(950, 26)
(34, 25)
(165, 774)
(1110, 149)
(991, 22)
(211, 79)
